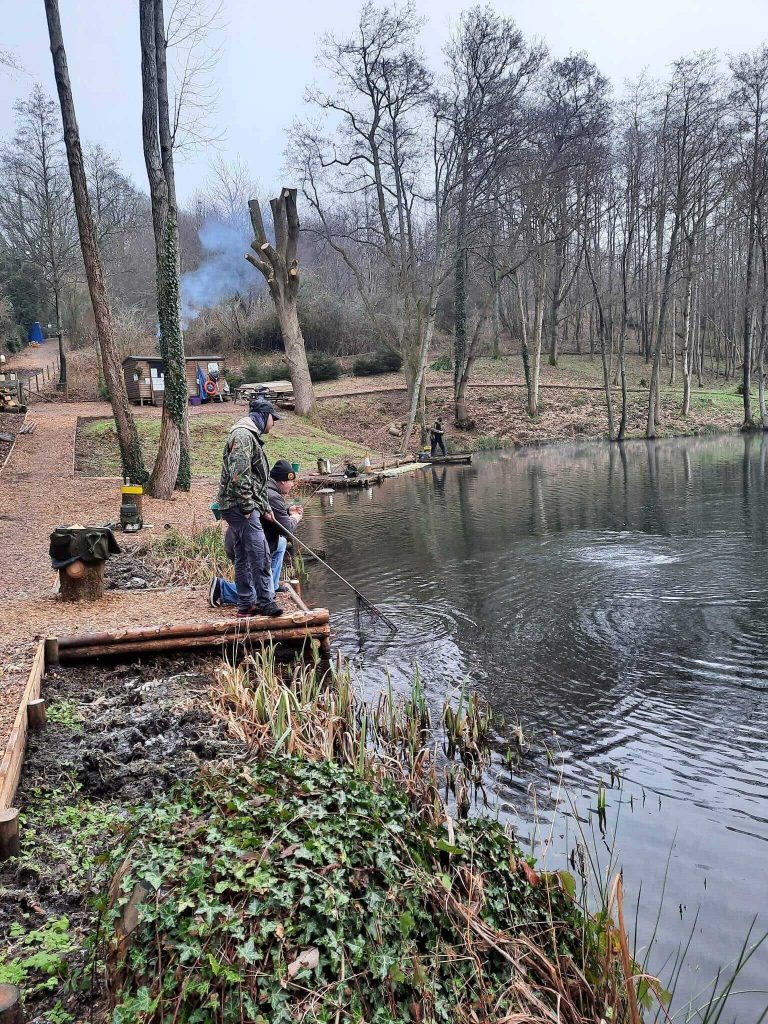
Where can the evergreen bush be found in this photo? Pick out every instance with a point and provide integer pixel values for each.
(382, 361)
(323, 367)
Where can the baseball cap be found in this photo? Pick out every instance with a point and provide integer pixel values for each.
(264, 407)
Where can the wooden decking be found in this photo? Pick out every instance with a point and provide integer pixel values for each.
(338, 480)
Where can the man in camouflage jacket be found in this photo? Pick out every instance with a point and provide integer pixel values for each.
(243, 501)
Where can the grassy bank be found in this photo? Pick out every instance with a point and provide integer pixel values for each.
(572, 406)
(97, 452)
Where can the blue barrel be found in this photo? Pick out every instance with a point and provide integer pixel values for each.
(35, 332)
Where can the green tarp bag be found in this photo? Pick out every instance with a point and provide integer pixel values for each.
(86, 544)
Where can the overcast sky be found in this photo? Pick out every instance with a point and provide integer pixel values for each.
(268, 49)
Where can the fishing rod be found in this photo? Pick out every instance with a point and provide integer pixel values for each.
(360, 597)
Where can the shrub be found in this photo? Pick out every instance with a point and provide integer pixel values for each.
(234, 379)
(382, 361)
(14, 344)
(254, 371)
(323, 366)
(443, 363)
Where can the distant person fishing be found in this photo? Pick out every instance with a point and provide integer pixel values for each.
(436, 435)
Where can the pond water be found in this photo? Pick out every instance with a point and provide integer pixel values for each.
(613, 600)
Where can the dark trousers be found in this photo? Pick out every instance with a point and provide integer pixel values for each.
(438, 442)
(253, 568)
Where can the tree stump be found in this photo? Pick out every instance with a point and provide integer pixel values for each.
(82, 581)
(36, 717)
(51, 650)
(10, 1005)
(9, 835)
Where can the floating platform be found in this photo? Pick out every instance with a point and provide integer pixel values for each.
(338, 480)
(447, 460)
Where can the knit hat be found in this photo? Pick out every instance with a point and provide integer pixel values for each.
(282, 470)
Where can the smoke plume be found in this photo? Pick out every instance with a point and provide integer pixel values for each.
(224, 271)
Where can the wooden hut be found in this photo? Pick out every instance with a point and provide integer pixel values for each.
(145, 378)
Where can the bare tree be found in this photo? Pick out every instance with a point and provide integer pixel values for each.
(37, 214)
(130, 449)
(379, 182)
(492, 68)
(750, 99)
(691, 122)
(279, 263)
(191, 27)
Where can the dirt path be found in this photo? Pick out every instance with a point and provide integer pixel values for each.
(39, 492)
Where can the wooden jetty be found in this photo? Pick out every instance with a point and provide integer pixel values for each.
(460, 459)
(338, 480)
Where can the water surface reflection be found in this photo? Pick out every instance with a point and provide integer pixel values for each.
(613, 600)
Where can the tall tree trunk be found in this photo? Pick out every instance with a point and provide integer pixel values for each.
(60, 336)
(460, 299)
(172, 465)
(538, 331)
(130, 449)
(654, 390)
(495, 351)
(524, 350)
(418, 387)
(687, 355)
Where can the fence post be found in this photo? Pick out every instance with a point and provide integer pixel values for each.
(37, 383)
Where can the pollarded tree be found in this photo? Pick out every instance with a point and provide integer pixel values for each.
(279, 263)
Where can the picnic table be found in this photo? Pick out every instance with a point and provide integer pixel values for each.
(278, 391)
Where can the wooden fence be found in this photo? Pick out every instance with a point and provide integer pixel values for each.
(29, 385)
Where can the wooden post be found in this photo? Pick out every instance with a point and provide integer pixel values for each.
(81, 581)
(36, 718)
(51, 650)
(9, 835)
(10, 1005)
(37, 383)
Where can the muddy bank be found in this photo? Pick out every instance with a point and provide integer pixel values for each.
(117, 736)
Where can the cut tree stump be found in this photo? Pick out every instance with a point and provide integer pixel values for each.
(36, 718)
(10, 1005)
(9, 835)
(82, 581)
(51, 650)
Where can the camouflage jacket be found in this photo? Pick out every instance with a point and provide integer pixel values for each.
(245, 470)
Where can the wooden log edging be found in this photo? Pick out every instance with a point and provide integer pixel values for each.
(219, 629)
(13, 755)
(184, 643)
